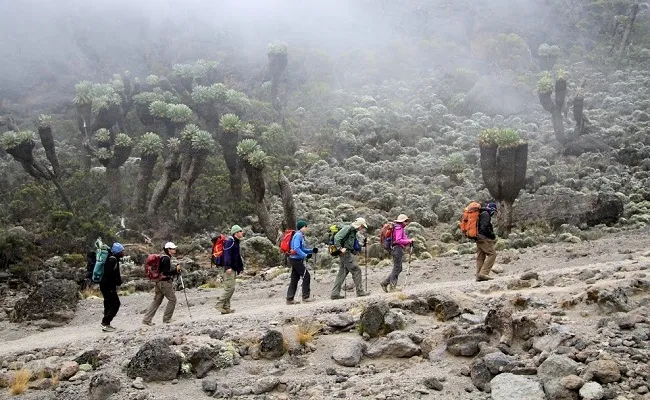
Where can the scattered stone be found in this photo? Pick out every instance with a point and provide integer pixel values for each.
(496, 361)
(272, 345)
(348, 353)
(394, 321)
(603, 371)
(154, 361)
(572, 382)
(138, 384)
(433, 384)
(372, 318)
(265, 385)
(592, 391)
(480, 374)
(527, 276)
(395, 344)
(516, 387)
(465, 345)
(443, 306)
(103, 385)
(209, 385)
(68, 370)
(54, 300)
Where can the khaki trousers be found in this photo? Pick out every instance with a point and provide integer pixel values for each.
(228, 290)
(347, 266)
(485, 256)
(163, 289)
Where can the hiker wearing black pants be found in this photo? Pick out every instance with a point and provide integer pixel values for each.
(111, 279)
(299, 253)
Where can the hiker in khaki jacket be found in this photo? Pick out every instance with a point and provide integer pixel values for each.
(164, 288)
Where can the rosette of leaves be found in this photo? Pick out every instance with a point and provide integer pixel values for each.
(195, 139)
(152, 80)
(149, 144)
(230, 123)
(103, 138)
(548, 55)
(279, 143)
(251, 152)
(500, 137)
(14, 140)
(278, 58)
(123, 140)
(201, 71)
(104, 154)
(454, 164)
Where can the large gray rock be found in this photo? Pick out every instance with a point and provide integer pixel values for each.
(603, 371)
(154, 361)
(202, 360)
(465, 345)
(272, 345)
(102, 386)
(592, 391)
(54, 300)
(394, 321)
(372, 318)
(443, 306)
(480, 374)
(556, 367)
(516, 387)
(348, 353)
(395, 344)
(572, 208)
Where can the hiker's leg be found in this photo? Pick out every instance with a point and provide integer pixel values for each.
(480, 256)
(340, 278)
(111, 306)
(306, 281)
(229, 289)
(355, 271)
(157, 300)
(487, 247)
(398, 254)
(295, 277)
(167, 289)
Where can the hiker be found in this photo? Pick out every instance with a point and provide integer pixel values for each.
(344, 240)
(164, 288)
(300, 253)
(233, 265)
(485, 253)
(111, 279)
(398, 242)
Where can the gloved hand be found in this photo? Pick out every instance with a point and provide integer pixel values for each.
(308, 256)
(365, 241)
(315, 250)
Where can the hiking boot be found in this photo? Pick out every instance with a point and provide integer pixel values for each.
(337, 297)
(482, 278)
(226, 310)
(168, 322)
(292, 302)
(363, 294)
(308, 300)
(384, 287)
(107, 328)
(148, 323)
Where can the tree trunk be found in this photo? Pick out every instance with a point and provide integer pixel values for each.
(188, 177)
(287, 203)
(229, 148)
(558, 126)
(504, 219)
(627, 33)
(171, 174)
(489, 170)
(62, 194)
(114, 180)
(258, 188)
(578, 109)
(147, 164)
(47, 140)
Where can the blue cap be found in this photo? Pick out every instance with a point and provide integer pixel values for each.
(492, 206)
(117, 248)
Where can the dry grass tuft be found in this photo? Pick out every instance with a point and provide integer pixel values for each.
(307, 330)
(212, 283)
(19, 381)
(91, 292)
(401, 295)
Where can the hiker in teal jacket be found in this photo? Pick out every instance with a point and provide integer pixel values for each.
(299, 253)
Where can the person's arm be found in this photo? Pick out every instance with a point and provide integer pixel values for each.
(341, 237)
(227, 253)
(110, 276)
(298, 245)
(400, 236)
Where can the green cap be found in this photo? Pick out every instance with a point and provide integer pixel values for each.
(235, 229)
(301, 224)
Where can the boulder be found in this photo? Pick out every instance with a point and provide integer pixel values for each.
(349, 353)
(54, 300)
(516, 387)
(102, 386)
(154, 361)
(68, 370)
(202, 360)
(603, 371)
(265, 384)
(394, 321)
(592, 391)
(372, 318)
(556, 367)
(480, 374)
(272, 345)
(443, 306)
(396, 344)
(465, 345)
(572, 208)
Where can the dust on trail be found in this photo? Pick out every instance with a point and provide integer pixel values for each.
(262, 302)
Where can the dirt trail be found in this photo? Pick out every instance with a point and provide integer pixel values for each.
(264, 301)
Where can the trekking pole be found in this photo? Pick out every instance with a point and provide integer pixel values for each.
(365, 245)
(408, 266)
(185, 293)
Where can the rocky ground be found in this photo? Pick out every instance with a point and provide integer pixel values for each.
(561, 321)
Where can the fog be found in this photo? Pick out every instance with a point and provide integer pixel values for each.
(53, 43)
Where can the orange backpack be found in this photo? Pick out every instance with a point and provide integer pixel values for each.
(217, 249)
(285, 242)
(386, 236)
(469, 221)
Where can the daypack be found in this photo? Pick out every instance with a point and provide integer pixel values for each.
(217, 249)
(152, 267)
(285, 242)
(330, 241)
(101, 253)
(386, 236)
(469, 221)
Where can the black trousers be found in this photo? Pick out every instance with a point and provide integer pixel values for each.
(111, 302)
(298, 270)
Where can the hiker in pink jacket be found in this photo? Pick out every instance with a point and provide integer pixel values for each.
(398, 243)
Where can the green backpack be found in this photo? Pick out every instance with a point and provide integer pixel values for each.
(101, 250)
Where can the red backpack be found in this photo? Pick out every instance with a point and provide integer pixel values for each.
(285, 242)
(386, 236)
(152, 267)
(469, 221)
(217, 249)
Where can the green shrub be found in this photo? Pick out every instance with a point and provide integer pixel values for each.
(500, 137)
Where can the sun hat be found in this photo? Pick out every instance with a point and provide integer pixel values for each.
(170, 245)
(402, 218)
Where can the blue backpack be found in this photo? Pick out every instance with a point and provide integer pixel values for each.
(101, 251)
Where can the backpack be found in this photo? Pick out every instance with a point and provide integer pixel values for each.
(101, 254)
(386, 236)
(469, 221)
(217, 249)
(152, 267)
(285, 242)
(330, 241)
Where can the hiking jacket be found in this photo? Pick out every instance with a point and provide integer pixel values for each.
(485, 229)
(399, 235)
(112, 275)
(298, 246)
(345, 238)
(166, 267)
(232, 256)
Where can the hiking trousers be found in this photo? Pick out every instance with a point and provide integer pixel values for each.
(485, 256)
(111, 303)
(398, 254)
(347, 265)
(298, 271)
(162, 289)
(228, 290)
